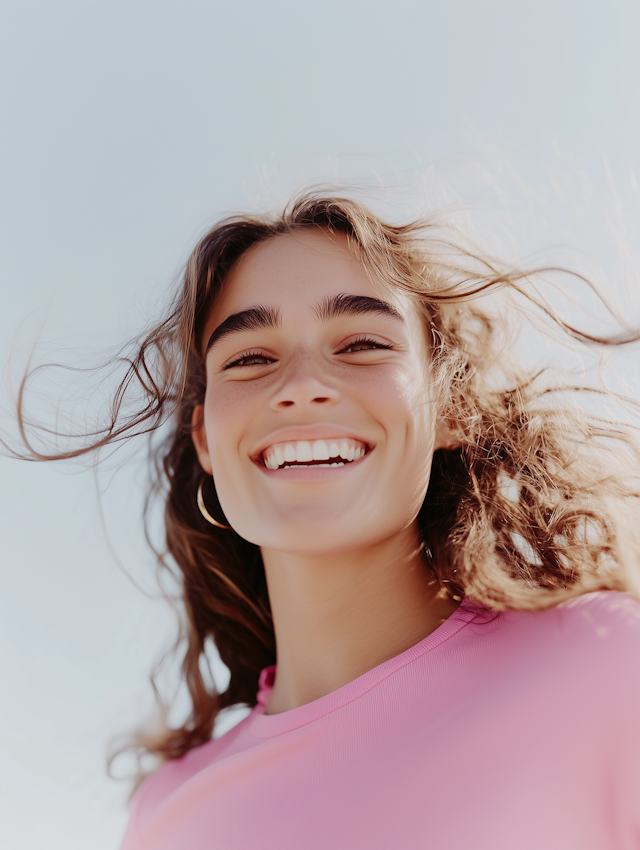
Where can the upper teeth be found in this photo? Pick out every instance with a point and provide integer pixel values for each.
(305, 452)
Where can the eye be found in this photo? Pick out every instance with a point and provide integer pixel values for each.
(249, 358)
(363, 343)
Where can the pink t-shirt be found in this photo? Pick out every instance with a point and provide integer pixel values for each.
(509, 731)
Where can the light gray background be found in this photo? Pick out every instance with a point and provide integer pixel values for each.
(127, 129)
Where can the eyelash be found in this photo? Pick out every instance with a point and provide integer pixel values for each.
(365, 339)
(248, 355)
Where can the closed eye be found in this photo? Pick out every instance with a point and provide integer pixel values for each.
(363, 343)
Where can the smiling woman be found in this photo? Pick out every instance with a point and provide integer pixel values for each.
(327, 364)
(399, 541)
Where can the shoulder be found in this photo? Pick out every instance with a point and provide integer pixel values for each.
(607, 609)
(570, 674)
(601, 622)
(576, 649)
(605, 627)
(161, 785)
(587, 647)
(601, 619)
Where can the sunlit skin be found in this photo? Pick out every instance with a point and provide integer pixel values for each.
(347, 580)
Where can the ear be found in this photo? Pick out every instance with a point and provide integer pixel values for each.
(199, 437)
(446, 438)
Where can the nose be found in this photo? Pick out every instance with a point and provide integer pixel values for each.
(304, 389)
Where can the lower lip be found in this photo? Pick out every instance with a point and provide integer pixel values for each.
(312, 473)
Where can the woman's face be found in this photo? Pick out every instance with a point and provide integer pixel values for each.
(319, 418)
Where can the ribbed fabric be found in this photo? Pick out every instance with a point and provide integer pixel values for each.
(509, 731)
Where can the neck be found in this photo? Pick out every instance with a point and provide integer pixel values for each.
(337, 616)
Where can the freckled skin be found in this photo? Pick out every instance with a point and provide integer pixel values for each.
(347, 580)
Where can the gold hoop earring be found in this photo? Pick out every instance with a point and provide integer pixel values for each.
(203, 508)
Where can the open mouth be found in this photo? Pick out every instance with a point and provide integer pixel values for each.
(316, 453)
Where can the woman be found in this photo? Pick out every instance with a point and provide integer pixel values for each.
(411, 559)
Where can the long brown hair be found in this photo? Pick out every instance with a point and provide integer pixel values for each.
(523, 514)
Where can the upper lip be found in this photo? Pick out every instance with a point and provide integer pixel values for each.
(318, 431)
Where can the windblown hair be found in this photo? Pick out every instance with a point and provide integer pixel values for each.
(524, 513)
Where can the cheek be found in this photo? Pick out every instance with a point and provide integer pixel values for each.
(228, 408)
(401, 398)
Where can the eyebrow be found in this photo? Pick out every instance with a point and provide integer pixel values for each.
(260, 317)
(354, 305)
(253, 319)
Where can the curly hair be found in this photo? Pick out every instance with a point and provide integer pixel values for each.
(527, 511)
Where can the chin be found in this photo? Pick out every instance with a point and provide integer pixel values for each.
(311, 544)
(318, 537)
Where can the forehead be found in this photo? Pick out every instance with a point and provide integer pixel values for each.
(294, 270)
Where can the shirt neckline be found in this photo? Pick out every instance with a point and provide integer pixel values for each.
(268, 726)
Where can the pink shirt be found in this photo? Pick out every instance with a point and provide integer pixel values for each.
(509, 731)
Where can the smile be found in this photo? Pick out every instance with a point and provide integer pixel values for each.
(323, 453)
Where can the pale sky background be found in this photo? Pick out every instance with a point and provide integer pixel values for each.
(127, 129)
